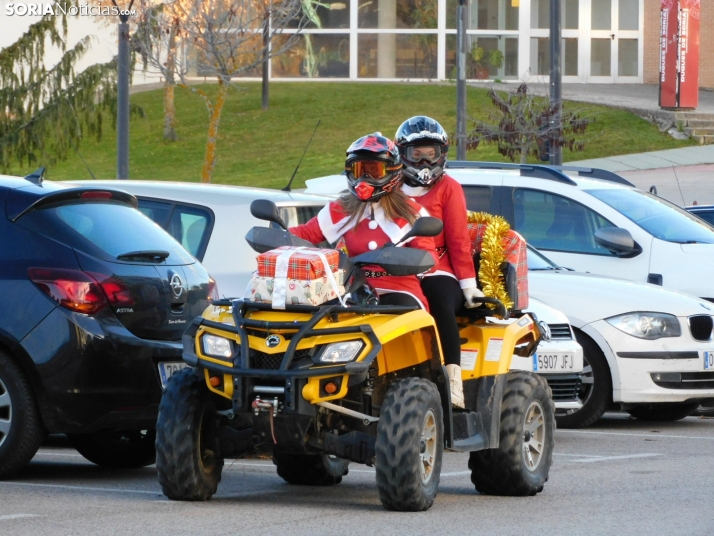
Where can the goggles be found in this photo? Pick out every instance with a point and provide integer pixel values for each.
(371, 169)
(417, 153)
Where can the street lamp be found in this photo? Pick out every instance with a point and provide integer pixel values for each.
(461, 80)
(556, 96)
(123, 94)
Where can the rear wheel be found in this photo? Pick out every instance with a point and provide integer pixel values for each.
(117, 450)
(596, 389)
(21, 430)
(520, 464)
(667, 412)
(310, 469)
(410, 445)
(187, 440)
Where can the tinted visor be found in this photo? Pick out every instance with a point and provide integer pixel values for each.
(371, 169)
(417, 153)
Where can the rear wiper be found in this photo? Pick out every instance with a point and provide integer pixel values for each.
(157, 255)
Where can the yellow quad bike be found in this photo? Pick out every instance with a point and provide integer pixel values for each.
(322, 386)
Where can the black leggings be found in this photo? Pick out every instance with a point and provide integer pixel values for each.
(398, 298)
(445, 299)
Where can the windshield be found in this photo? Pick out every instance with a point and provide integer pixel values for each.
(538, 261)
(657, 216)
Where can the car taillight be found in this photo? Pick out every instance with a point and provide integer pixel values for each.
(73, 289)
(80, 291)
(212, 289)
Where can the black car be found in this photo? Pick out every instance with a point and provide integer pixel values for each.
(705, 212)
(94, 299)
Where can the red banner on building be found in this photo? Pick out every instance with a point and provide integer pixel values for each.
(679, 53)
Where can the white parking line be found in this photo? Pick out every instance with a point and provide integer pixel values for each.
(576, 455)
(80, 488)
(608, 458)
(589, 432)
(16, 516)
(45, 453)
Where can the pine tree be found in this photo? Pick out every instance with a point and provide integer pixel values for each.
(45, 113)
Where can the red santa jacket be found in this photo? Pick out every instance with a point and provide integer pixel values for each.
(373, 231)
(445, 200)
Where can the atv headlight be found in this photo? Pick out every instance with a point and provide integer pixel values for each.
(216, 346)
(341, 352)
(647, 325)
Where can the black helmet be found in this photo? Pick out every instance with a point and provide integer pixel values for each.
(413, 137)
(373, 167)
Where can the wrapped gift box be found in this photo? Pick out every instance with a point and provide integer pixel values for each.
(297, 291)
(304, 264)
(515, 253)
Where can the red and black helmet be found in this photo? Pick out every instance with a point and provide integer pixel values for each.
(423, 145)
(373, 167)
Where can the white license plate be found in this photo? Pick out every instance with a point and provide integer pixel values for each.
(553, 362)
(168, 369)
(708, 360)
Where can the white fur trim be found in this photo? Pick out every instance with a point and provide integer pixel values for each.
(467, 283)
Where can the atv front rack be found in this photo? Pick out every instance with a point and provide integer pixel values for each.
(241, 361)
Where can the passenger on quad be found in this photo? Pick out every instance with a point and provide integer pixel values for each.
(423, 145)
(373, 213)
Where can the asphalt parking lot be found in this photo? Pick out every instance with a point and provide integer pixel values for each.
(620, 476)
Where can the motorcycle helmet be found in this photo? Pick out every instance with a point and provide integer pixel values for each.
(423, 145)
(373, 167)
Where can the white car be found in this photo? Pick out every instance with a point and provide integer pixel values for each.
(647, 349)
(589, 220)
(211, 222)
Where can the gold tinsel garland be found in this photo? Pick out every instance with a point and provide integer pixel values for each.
(492, 256)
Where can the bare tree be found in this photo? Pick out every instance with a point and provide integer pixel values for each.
(226, 38)
(522, 125)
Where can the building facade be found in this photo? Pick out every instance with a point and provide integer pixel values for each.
(604, 41)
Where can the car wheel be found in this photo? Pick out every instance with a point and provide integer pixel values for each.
(117, 450)
(667, 412)
(596, 390)
(410, 445)
(21, 430)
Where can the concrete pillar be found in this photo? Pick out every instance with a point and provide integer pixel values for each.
(387, 43)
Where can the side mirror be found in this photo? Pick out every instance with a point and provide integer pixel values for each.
(268, 211)
(426, 226)
(619, 241)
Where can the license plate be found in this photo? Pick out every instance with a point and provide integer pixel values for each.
(708, 360)
(168, 369)
(553, 362)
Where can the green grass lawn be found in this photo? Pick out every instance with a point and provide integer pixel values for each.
(262, 148)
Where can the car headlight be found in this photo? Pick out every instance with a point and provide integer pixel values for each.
(216, 346)
(647, 325)
(341, 352)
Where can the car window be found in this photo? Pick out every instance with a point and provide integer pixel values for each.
(293, 216)
(110, 228)
(657, 216)
(553, 222)
(478, 198)
(538, 261)
(190, 225)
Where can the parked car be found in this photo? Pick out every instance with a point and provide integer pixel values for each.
(648, 350)
(225, 219)
(588, 219)
(95, 298)
(705, 212)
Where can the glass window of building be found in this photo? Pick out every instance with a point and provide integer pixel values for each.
(629, 14)
(540, 56)
(489, 57)
(569, 14)
(485, 14)
(397, 56)
(326, 14)
(398, 14)
(314, 56)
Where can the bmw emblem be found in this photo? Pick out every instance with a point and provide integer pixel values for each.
(271, 341)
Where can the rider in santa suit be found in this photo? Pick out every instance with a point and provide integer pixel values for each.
(423, 145)
(373, 213)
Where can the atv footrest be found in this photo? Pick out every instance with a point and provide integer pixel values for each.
(469, 434)
(355, 446)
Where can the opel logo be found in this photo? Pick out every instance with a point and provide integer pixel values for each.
(271, 341)
(176, 286)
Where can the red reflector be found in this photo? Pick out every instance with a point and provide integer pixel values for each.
(73, 289)
(96, 194)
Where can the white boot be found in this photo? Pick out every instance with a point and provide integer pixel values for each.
(456, 385)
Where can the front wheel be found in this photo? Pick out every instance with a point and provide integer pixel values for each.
(520, 464)
(664, 412)
(310, 469)
(410, 445)
(187, 440)
(117, 450)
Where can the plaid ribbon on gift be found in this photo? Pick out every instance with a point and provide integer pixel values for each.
(515, 252)
(304, 264)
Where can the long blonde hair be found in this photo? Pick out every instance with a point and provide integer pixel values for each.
(395, 204)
